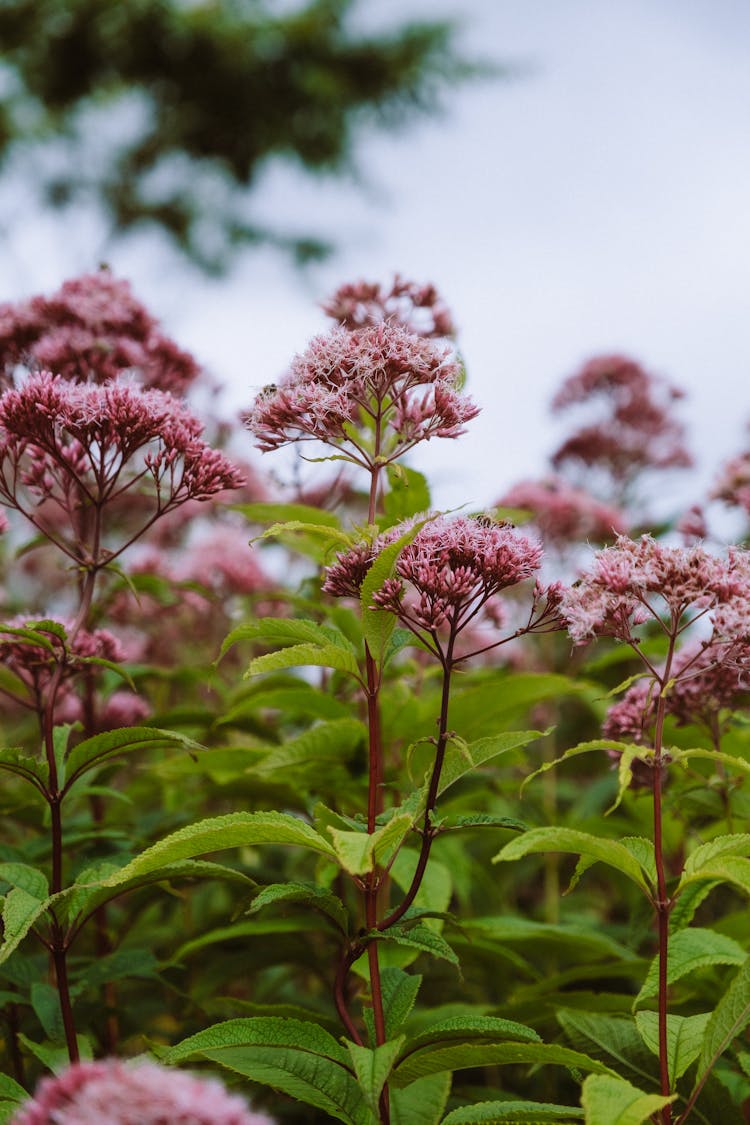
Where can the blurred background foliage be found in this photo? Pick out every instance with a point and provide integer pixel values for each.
(164, 112)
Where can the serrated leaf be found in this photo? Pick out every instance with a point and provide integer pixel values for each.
(609, 1100)
(10, 1091)
(583, 942)
(305, 656)
(399, 991)
(736, 844)
(372, 1065)
(328, 535)
(102, 747)
(234, 830)
(46, 1004)
(613, 1039)
(294, 1056)
(483, 820)
(358, 852)
(684, 1039)
(732, 869)
(689, 950)
(14, 760)
(460, 1056)
(462, 758)
(513, 1113)
(306, 894)
(283, 631)
(597, 848)
(323, 743)
(419, 937)
(422, 1102)
(728, 1020)
(20, 911)
(378, 624)
(29, 879)
(468, 1029)
(631, 750)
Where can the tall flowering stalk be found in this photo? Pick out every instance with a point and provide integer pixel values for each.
(91, 462)
(643, 583)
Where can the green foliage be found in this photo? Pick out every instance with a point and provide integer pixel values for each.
(190, 78)
(612, 1101)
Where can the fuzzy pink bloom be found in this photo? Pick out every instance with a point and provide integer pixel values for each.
(419, 308)
(115, 1093)
(382, 373)
(692, 524)
(637, 581)
(224, 563)
(733, 483)
(453, 567)
(564, 514)
(76, 447)
(92, 330)
(636, 431)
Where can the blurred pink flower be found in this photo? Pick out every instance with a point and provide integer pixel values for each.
(92, 330)
(34, 663)
(115, 1093)
(636, 431)
(564, 514)
(418, 308)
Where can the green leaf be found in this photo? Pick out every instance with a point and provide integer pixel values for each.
(736, 844)
(295, 1056)
(28, 878)
(627, 750)
(20, 911)
(689, 950)
(513, 1113)
(591, 847)
(613, 1039)
(420, 937)
(305, 656)
(581, 941)
(408, 493)
(422, 1102)
(307, 894)
(284, 631)
(13, 760)
(45, 1001)
(10, 1091)
(378, 624)
(323, 743)
(460, 1056)
(483, 820)
(732, 869)
(728, 1020)
(684, 1039)
(263, 512)
(330, 536)
(462, 758)
(95, 751)
(399, 991)
(372, 1067)
(234, 830)
(358, 852)
(609, 1100)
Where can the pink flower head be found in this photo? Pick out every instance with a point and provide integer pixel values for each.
(636, 431)
(115, 1093)
(733, 483)
(92, 330)
(79, 446)
(418, 308)
(453, 567)
(638, 581)
(382, 376)
(692, 524)
(564, 514)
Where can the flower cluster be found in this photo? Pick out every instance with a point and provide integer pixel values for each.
(92, 330)
(77, 446)
(637, 431)
(381, 378)
(635, 581)
(419, 308)
(704, 679)
(116, 1093)
(453, 567)
(564, 514)
(733, 483)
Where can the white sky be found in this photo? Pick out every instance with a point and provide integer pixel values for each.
(600, 202)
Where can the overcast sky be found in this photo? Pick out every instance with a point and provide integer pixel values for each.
(596, 202)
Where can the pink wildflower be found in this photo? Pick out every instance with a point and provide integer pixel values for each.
(77, 447)
(638, 581)
(419, 308)
(34, 663)
(382, 376)
(116, 1093)
(733, 483)
(692, 524)
(636, 431)
(562, 513)
(453, 567)
(92, 330)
